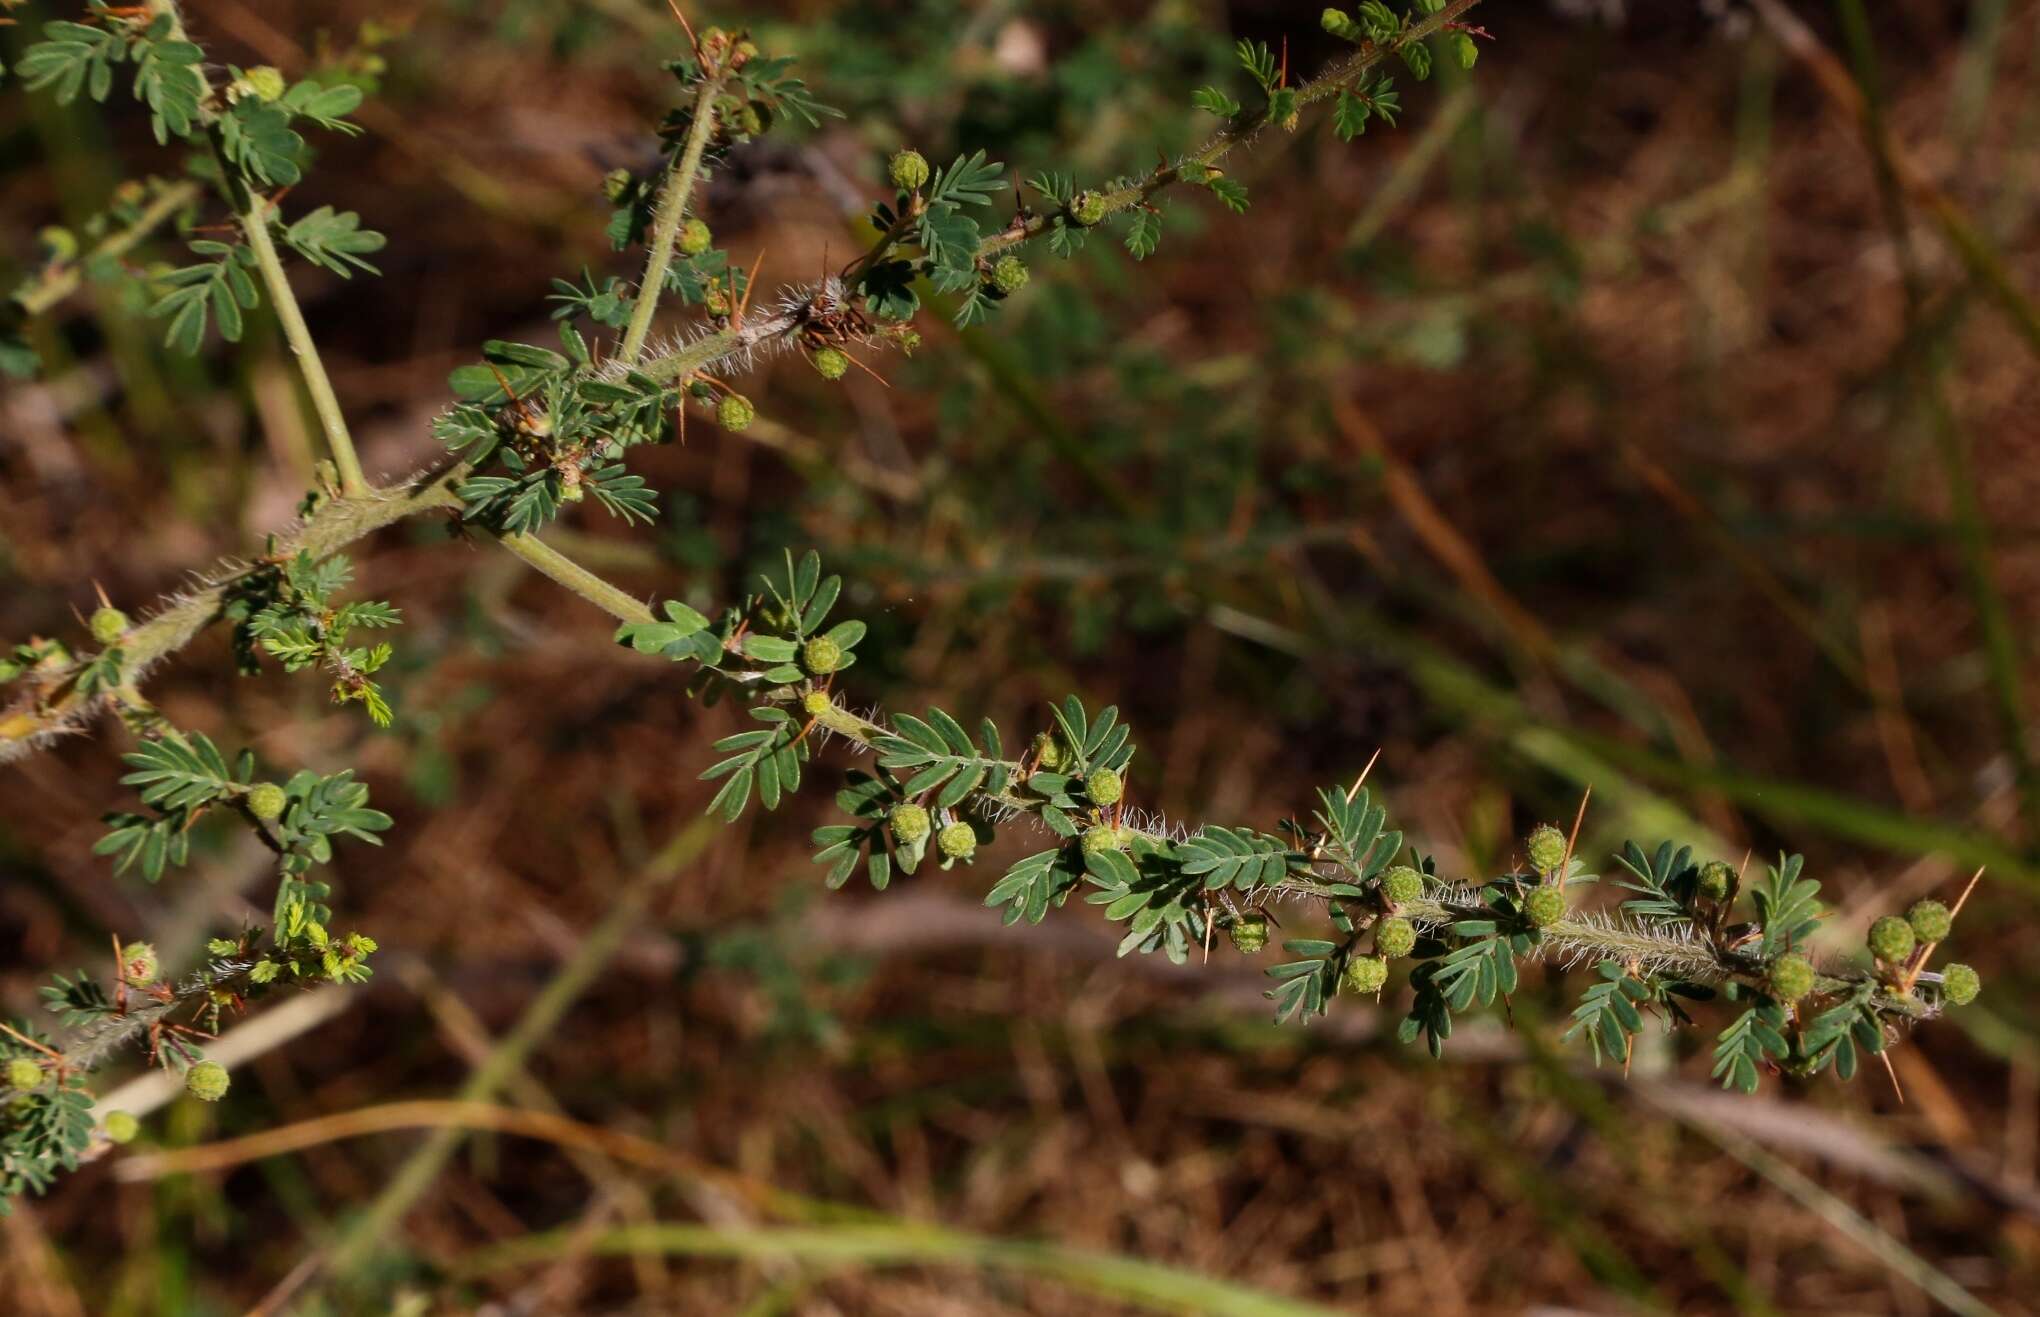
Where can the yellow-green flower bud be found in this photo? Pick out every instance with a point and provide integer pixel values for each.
(266, 801)
(735, 412)
(1891, 939)
(1103, 838)
(1930, 921)
(1087, 209)
(1364, 975)
(1249, 932)
(616, 185)
(695, 238)
(1104, 787)
(908, 170)
(24, 1073)
(1402, 885)
(958, 841)
(1960, 984)
(1543, 906)
(58, 242)
(1048, 752)
(831, 363)
(821, 656)
(120, 1127)
(107, 625)
(1546, 848)
(139, 965)
(1395, 937)
(1791, 978)
(1715, 880)
(207, 1081)
(1008, 275)
(910, 823)
(1341, 25)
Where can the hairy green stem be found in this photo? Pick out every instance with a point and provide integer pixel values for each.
(1625, 941)
(251, 212)
(703, 351)
(330, 528)
(671, 210)
(255, 224)
(562, 570)
(61, 282)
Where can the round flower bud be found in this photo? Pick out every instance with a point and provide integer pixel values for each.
(1546, 848)
(58, 242)
(1087, 209)
(831, 363)
(1102, 838)
(207, 1081)
(817, 703)
(1543, 906)
(1009, 275)
(734, 412)
(1364, 975)
(1791, 978)
(265, 81)
(266, 801)
(1891, 939)
(1930, 921)
(910, 823)
(120, 1127)
(138, 964)
(750, 118)
(715, 302)
(107, 625)
(1249, 933)
(1715, 880)
(1395, 937)
(1402, 885)
(821, 656)
(695, 238)
(615, 184)
(1334, 21)
(958, 841)
(1104, 787)
(908, 170)
(1048, 751)
(1960, 984)
(24, 1073)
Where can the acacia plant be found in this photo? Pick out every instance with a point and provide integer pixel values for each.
(533, 431)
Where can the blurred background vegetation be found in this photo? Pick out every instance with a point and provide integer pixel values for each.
(1629, 419)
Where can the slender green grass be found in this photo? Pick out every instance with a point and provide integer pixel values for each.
(880, 1244)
